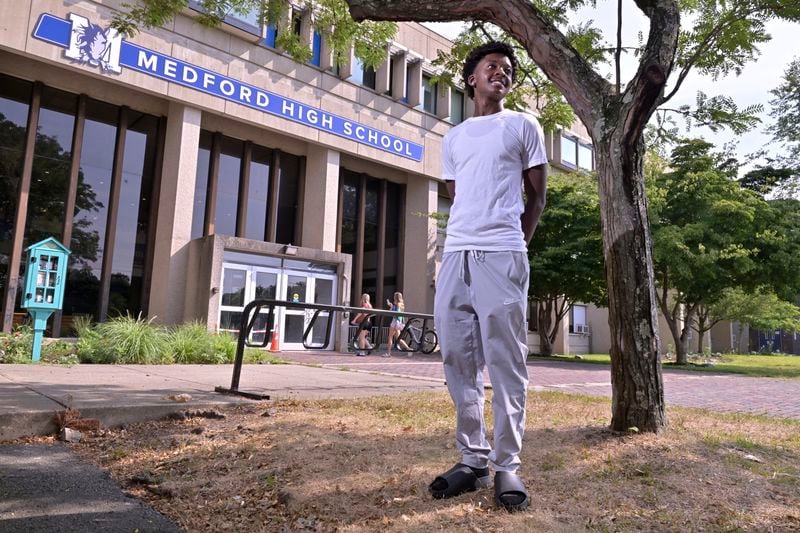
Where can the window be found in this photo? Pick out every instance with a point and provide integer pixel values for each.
(201, 184)
(316, 49)
(247, 21)
(375, 268)
(258, 194)
(51, 165)
(362, 75)
(569, 151)
(272, 34)
(288, 199)
(251, 215)
(585, 153)
(15, 95)
(577, 319)
(456, 106)
(230, 163)
(428, 95)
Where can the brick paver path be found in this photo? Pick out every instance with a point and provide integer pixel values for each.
(718, 392)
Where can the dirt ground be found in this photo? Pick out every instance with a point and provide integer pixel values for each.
(364, 465)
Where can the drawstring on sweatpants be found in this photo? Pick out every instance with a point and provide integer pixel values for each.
(463, 266)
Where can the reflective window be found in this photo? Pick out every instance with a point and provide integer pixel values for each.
(201, 184)
(15, 96)
(585, 157)
(91, 209)
(258, 194)
(272, 34)
(316, 49)
(368, 252)
(456, 106)
(133, 217)
(233, 285)
(362, 75)
(350, 187)
(370, 265)
(428, 95)
(228, 203)
(391, 252)
(52, 155)
(248, 21)
(230, 164)
(288, 189)
(569, 151)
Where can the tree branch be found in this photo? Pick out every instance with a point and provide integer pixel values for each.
(655, 66)
(583, 88)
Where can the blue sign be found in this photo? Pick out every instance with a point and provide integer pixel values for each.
(89, 43)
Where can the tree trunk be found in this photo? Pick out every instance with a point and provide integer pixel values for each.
(616, 121)
(544, 323)
(701, 331)
(638, 394)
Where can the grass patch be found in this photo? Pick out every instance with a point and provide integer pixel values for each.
(363, 465)
(772, 366)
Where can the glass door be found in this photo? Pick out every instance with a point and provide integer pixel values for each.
(265, 287)
(234, 296)
(241, 284)
(296, 288)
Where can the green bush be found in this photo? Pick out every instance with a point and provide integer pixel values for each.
(193, 343)
(127, 340)
(17, 346)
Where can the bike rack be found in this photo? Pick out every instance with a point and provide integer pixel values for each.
(252, 311)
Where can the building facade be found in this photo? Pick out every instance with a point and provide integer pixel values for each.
(191, 169)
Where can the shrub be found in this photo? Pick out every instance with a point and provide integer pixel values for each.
(17, 346)
(81, 324)
(132, 340)
(193, 343)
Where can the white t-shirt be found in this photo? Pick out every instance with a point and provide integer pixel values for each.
(486, 156)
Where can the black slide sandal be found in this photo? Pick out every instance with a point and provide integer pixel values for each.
(458, 480)
(510, 492)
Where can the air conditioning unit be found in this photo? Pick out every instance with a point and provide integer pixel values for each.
(582, 329)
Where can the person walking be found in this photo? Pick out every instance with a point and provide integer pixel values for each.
(482, 287)
(362, 320)
(397, 325)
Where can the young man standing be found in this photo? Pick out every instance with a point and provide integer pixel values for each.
(482, 287)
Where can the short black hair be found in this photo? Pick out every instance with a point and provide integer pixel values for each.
(478, 53)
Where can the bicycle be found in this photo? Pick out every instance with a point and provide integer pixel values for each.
(418, 340)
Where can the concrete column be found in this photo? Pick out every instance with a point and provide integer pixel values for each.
(443, 95)
(320, 199)
(399, 76)
(382, 77)
(326, 60)
(176, 203)
(306, 29)
(561, 346)
(346, 68)
(419, 243)
(415, 83)
(469, 107)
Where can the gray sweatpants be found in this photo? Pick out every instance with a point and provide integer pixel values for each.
(480, 317)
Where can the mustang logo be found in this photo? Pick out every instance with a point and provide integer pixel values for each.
(93, 45)
(90, 44)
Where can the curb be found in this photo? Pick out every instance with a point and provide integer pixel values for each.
(40, 423)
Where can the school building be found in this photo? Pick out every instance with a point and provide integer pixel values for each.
(191, 169)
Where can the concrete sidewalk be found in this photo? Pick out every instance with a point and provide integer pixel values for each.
(118, 394)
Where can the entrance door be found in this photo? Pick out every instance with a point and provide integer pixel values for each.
(307, 287)
(241, 284)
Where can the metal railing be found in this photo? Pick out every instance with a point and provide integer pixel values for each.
(252, 311)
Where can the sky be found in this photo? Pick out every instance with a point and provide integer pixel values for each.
(751, 87)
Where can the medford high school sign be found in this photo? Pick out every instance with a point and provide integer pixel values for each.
(88, 43)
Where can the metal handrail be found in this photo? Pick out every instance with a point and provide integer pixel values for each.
(252, 310)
